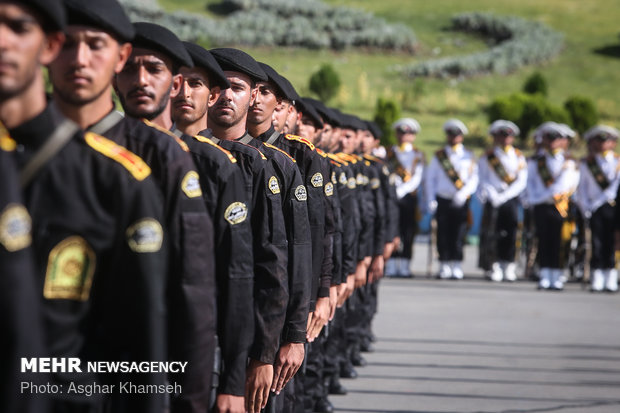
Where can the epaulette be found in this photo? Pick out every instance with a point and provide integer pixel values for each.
(335, 158)
(335, 163)
(320, 152)
(262, 155)
(210, 142)
(347, 157)
(132, 162)
(182, 144)
(280, 150)
(7, 143)
(373, 158)
(299, 139)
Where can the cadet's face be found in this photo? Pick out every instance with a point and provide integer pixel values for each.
(264, 104)
(502, 140)
(608, 145)
(326, 135)
(307, 129)
(146, 84)
(194, 97)
(554, 144)
(24, 47)
(334, 143)
(278, 118)
(368, 141)
(232, 106)
(84, 69)
(347, 140)
(454, 140)
(405, 137)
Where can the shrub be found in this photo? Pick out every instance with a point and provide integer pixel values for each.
(325, 83)
(387, 112)
(517, 43)
(582, 112)
(536, 83)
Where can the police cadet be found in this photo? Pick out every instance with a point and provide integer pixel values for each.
(227, 119)
(223, 190)
(408, 164)
(19, 302)
(452, 177)
(552, 178)
(100, 259)
(599, 175)
(503, 176)
(295, 211)
(97, 48)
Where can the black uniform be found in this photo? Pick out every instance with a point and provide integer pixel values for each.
(191, 275)
(100, 256)
(21, 322)
(270, 249)
(223, 191)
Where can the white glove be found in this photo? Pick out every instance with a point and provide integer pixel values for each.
(497, 200)
(432, 206)
(459, 199)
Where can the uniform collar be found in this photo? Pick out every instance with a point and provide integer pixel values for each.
(405, 147)
(457, 149)
(34, 132)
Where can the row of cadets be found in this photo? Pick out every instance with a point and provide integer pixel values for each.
(99, 231)
(224, 193)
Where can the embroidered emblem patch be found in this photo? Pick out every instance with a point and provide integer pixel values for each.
(236, 213)
(273, 185)
(385, 170)
(15, 228)
(343, 178)
(375, 183)
(317, 180)
(329, 189)
(191, 185)
(145, 235)
(70, 270)
(360, 179)
(351, 184)
(300, 193)
(334, 180)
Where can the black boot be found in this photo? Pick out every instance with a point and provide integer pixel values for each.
(347, 371)
(323, 406)
(335, 387)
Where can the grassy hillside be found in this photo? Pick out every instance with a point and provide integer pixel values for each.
(589, 65)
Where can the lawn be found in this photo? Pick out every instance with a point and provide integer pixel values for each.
(589, 65)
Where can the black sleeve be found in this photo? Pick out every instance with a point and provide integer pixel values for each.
(300, 260)
(367, 213)
(337, 277)
(270, 266)
(330, 228)
(316, 215)
(191, 285)
(380, 215)
(348, 206)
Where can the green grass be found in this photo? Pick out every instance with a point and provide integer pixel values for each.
(587, 26)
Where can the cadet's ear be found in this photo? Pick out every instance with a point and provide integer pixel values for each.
(177, 81)
(253, 95)
(214, 95)
(51, 47)
(123, 55)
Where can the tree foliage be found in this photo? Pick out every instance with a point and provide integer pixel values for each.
(536, 83)
(387, 112)
(325, 83)
(582, 112)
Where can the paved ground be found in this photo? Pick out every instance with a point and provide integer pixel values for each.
(476, 346)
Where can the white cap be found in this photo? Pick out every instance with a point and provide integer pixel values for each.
(504, 125)
(540, 131)
(567, 132)
(407, 125)
(603, 131)
(455, 124)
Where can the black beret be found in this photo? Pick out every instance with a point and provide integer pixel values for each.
(155, 37)
(326, 113)
(237, 60)
(306, 107)
(52, 12)
(107, 15)
(277, 81)
(374, 129)
(202, 58)
(348, 121)
(289, 89)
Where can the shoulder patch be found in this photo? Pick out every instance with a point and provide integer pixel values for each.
(132, 162)
(178, 140)
(375, 183)
(280, 150)
(202, 139)
(236, 213)
(343, 178)
(329, 189)
(299, 139)
(191, 185)
(359, 179)
(334, 179)
(70, 270)
(301, 194)
(15, 228)
(385, 170)
(351, 183)
(146, 235)
(317, 180)
(274, 187)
